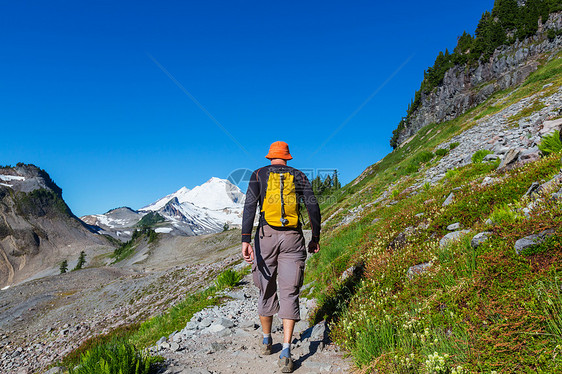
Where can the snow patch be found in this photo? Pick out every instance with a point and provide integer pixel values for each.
(5, 288)
(5, 184)
(163, 230)
(11, 178)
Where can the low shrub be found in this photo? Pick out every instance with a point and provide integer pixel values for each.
(551, 143)
(118, 357)
(227, 279)
(454, 145)
(478, 156)
(504, 214)
(451, 173)
(441, 152)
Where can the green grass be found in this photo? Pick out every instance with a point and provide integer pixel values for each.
(474, 309)
(129, 341)
(468, 298)
(125, 250)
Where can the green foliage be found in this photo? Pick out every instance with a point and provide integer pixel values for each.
(551, 143)
(148, 332)
(545, 245)
(454, 145)
(418, 159)
(39, 202)
(327, 186)
(505, 215)
(471, 309)
(63, 267)
(174, 319)
(451, 173)
(426, 186)
(126, 249)
(118, 357)
(81, 261)
(228, 279)
(549, 304)
(478, 156)
(441, 152)
(150, 220)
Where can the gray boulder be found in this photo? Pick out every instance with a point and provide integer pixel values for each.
(418, 269)
(533, 189)
(454, 226)
(319, 332)
(452, 237)
(532, 240)
(449, 199)
(491, 157)
(509, 159)
(480, 238)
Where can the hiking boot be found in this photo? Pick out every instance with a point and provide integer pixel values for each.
(286, 364)
(266, 347)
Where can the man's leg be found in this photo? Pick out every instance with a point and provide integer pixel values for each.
(288, 328)
(267, 342)
(266, 324)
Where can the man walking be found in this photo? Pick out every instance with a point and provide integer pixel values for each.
(280, 253)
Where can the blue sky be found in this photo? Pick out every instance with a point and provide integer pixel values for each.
(82, 96)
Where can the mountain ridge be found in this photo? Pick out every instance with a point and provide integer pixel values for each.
(464, 85)
(207, 208)
(37, 228)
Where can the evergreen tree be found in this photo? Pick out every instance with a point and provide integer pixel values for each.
(63, 267)
(327, 184)
(335, 181)
(81, 261)
(507, 12)
(317, 185)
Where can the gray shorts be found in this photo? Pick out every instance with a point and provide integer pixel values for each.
(279, 259)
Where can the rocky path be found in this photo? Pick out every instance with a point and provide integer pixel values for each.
(227, 339)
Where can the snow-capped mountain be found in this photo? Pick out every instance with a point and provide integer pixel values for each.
(215, 194)
(204, 209)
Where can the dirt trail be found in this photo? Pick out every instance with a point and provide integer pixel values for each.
(236, 349)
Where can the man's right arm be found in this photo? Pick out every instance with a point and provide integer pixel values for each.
(249, 215)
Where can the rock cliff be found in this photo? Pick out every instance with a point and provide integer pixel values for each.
(466, 86)
(37, 229)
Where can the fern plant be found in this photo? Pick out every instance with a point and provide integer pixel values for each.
(228, 278)
(478, 156)
(551, 143)
(114, 358)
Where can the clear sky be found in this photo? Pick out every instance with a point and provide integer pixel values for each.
(84, 92)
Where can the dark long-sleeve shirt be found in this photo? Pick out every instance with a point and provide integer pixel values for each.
(256, 192)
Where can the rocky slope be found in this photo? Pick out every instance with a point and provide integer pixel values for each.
(464, 87)
(44, 319)
(37, 229)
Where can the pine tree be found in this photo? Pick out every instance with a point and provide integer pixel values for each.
(327, 184)
(317, 185)
(63, 267)
(81, 261)
(336, 181)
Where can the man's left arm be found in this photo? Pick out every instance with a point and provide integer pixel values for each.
(313, 210)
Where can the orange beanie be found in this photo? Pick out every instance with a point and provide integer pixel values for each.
(279, 150)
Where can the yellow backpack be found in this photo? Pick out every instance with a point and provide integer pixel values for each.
(280, 206)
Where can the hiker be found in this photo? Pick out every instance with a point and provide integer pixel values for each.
(279, 255)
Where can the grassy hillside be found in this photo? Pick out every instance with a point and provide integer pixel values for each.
(463, 309)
